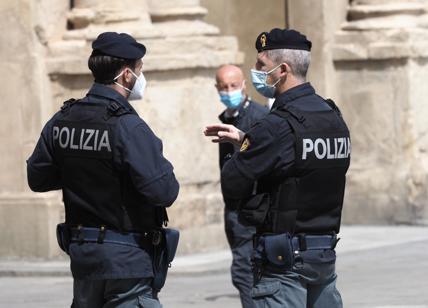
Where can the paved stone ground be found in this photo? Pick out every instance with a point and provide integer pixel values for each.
(378, 267)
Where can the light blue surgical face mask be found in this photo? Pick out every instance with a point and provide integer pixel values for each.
(259, 81)
(231, 99)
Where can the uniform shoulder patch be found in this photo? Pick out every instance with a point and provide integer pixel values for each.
(245, 145)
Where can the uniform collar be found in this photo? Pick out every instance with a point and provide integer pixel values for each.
(101, 90)
(292, 94)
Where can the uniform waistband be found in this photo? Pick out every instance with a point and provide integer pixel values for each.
(103, 235)
(302, 242)
(313, 242)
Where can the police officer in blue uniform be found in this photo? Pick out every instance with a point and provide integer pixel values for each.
(299, 155)
(116, 183)
(242, 113)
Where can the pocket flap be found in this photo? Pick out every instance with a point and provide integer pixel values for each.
(254, 211)
(257, 201)
(265, 289)
(279, 251)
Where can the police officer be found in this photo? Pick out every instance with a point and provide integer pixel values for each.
(114, 178)
(242, 113)
(299, 155)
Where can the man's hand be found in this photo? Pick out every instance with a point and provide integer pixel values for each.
(224, 133)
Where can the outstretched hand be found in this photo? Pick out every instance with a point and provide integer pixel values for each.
(224, 133)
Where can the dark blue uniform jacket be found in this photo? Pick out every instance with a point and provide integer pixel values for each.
(139, 153)
(270, 155)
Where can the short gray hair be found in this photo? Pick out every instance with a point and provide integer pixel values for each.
(298, 60)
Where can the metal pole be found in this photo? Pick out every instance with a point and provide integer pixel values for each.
(286, 16)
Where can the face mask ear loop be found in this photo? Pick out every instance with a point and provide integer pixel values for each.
(276, 82)
(135, 75)
(272, 70)
(275, 68)
(123, 87)
(116, 83)
(243, 85)
(120, 74)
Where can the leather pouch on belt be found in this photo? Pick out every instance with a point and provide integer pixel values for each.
(171, 237)
(279, 251)
(254, 211)
(63, 236)
(164, 253)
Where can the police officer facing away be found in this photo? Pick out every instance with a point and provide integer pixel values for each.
(299, 155)
(115, 180)
(242, 113)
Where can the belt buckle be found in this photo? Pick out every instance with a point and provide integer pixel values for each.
(101, 235)
(80, 235)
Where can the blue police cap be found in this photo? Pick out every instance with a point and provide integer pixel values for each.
(120, 45)
(282, 39)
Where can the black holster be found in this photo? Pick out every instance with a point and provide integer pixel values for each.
(163, 255)
(63, 236)
(254, 211)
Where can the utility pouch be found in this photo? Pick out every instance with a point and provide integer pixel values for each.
(163, 255)
(63, 236)
(279, 250)
(254, 211)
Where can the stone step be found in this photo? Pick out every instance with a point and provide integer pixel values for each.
(357, 12)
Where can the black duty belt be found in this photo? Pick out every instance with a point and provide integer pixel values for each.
(302, 242)
(103, 235)
(314, 242)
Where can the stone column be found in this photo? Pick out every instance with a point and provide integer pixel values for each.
(229, 17)
(183, 53)
(319, 21)
(381, 58)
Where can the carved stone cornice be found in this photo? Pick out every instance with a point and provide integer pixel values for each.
(174, 34)
(383, 30)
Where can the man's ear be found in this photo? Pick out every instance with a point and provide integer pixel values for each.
(127, 75)
(285, 68)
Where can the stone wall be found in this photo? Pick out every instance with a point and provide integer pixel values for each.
(374, 65)
(26, 220)
(322, 19)
(245, 20)
(381, 61)
(49, 58)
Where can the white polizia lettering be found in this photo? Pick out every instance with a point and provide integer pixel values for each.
(327, 148)
(308, 146)
(64, 137)
(87, 139)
